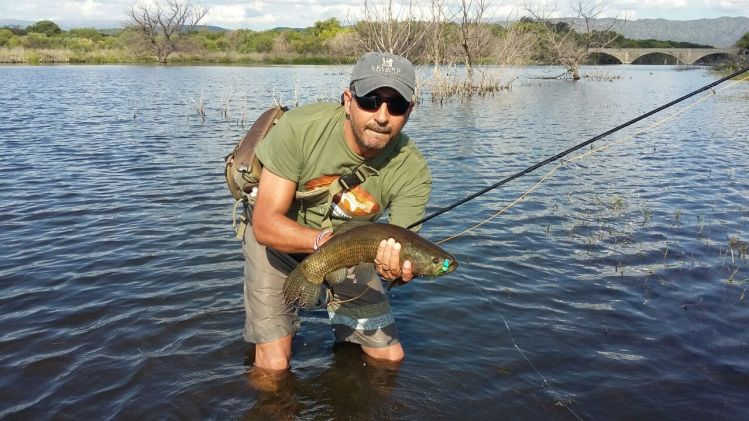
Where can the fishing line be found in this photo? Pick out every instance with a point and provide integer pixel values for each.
(515, 344)
(583, 155)
(576, 147)
(561, 400)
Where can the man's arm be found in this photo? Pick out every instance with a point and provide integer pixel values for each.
(271, 226)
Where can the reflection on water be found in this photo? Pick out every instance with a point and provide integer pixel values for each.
(623, 278)
(353, 386)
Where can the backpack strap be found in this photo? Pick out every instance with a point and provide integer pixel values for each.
(242, 170)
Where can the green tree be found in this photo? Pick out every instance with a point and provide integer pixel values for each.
(38, 40)
(743, 42)
(304, 42)
(79, 44)
(249, 41)
(46, 27)
(5, 36)
(327, 29)
(90, 33)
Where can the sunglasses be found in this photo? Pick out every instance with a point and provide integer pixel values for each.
(397, 105)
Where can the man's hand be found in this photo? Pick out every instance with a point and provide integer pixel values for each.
(388, 264)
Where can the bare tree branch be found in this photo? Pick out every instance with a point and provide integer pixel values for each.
(161, 28)
(390, 27)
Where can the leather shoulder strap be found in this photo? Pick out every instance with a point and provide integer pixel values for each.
(245, 152)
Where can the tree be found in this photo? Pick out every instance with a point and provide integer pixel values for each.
(327, 29)
(561, 44)
(475, 35)
(90, 33)
(162, 28)
(46, 27)
(393, 27)
(743, 42)
(5, 36)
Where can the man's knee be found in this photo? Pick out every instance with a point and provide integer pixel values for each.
(272, 362)
(392, 353)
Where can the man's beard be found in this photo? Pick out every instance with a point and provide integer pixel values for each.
(362, 141)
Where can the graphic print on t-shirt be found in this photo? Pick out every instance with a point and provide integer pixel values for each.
(356, 202)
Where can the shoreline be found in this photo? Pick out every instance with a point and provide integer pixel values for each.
(30, 56)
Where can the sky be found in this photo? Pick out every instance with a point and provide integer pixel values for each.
(266, 14)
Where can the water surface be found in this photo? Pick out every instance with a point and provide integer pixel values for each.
(616, 289)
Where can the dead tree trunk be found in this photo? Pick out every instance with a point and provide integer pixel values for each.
(161, 28)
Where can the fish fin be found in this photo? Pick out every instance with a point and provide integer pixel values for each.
(349, 225)
(297, 290)
(364, 272)
(337, 276)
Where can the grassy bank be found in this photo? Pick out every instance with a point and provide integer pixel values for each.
(21, 55)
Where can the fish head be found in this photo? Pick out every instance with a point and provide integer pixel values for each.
(430, 261)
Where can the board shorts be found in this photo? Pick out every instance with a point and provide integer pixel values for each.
(365, 320)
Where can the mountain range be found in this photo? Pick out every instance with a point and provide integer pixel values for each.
(718, 32)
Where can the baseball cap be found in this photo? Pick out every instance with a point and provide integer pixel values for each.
(377, 70)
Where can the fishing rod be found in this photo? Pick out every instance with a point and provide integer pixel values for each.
(576, 147)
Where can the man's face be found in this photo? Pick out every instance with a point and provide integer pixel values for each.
(371, 130)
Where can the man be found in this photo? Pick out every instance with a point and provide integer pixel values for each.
(322, 165)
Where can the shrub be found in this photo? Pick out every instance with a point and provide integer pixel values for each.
(90, 33)
(743, 42)
(79, 44)
(37, 40)
(5, 36)
(46, 27)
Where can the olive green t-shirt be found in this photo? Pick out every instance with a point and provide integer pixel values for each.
(308, 147)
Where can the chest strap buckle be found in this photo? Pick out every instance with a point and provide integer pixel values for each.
(352, 179)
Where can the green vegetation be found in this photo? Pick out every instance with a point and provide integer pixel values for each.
(45, 27)
(622, 42)
(743, 42)
(743, 60)
(324, 43)
(45, 42)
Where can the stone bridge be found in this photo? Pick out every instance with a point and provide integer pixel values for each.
(682, 55)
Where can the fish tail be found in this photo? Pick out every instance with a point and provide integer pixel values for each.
(299, 291)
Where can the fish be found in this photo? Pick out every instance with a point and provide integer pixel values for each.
(355, 242)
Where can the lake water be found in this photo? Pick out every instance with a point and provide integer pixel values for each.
(615, 290)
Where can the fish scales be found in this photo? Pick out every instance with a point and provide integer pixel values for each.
(357, 242)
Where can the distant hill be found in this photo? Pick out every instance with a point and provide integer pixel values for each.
(718, 32)
(67, 25)
(15, 22)
(211, 28)
(109, 25)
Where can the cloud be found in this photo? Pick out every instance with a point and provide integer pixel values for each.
(228, 15)
(264, 14)
(650, 4)
(91, 9)
(738, 7)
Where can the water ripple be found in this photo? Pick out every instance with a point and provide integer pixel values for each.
(621, 278)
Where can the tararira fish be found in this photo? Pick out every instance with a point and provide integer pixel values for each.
(356, 242)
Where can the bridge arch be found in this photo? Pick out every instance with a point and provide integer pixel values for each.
(658, 57)
(604, 58)
(682, 55)
(715, 58)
